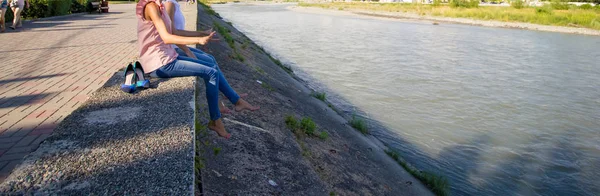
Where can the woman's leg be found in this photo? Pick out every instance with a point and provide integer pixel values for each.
(17, 17)
(206, 60)
(182, 68)
(2, 23)
(223, 84)
(204, 54)
(234, 98)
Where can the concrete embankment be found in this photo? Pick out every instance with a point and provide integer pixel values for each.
(263, 149)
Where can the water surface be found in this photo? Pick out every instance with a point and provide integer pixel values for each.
(497, 111)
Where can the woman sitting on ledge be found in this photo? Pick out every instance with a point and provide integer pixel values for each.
(159, 58)
(178, 26)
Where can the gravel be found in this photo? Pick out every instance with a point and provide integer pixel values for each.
(116, 143)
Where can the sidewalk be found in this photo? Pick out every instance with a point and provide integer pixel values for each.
(117, 143)
(49, 68)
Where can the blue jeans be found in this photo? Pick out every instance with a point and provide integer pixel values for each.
(213, 79)
(201, 55)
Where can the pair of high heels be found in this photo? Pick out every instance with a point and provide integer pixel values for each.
(134, 78)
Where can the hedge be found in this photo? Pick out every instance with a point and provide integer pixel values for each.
(48, 8)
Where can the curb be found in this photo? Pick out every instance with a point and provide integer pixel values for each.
(55, 17)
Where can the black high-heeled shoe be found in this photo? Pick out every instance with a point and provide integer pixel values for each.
(142, 82)
(129, 73)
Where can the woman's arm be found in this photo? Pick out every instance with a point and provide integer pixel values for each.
(170, 7)
(152, 13)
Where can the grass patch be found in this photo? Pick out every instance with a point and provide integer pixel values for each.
(259, 70)
(562, 14)
(319, 96)
(359, 124)
(278, 62)
(238, 56)
(291, 122)
(225, 33)
(267, 86)
(206, 5)
(438, 184)
(306, 126)
(333, 108)
(323, 135)
(245, 44)
(216, 150)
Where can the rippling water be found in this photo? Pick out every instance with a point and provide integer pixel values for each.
(497, 111)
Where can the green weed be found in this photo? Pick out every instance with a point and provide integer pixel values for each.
(319, 96)
(359, 124)
(438, 184)
(323, 135)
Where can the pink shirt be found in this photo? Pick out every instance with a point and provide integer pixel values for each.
(154, 53)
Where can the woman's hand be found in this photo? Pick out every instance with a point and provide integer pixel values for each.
(207, 31)
(206, 39)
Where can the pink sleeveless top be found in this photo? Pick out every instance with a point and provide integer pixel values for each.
(154, 53)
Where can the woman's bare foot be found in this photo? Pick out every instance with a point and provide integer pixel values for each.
(219, 127)
(243, 105)
(223, 108)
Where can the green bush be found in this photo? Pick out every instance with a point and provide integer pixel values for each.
(586, 6)
(8, 16)
(518, 4)
(291, 122)
(308, 125)
(37, 9)
(78, 6)
(58, 7)
(437, 2)
(45, 8)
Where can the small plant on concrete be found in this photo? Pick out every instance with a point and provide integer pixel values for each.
(437, 184)
(323, 135)
(319, 96)
(216, 150)
(225, 33)
(267, 86)
(278, 62)
(308, 126)
(238, 57)
(291, 122)
(359, 124)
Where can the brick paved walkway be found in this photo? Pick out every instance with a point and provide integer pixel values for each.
(51, 67)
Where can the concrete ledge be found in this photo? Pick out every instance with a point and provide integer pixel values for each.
(117, 143)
